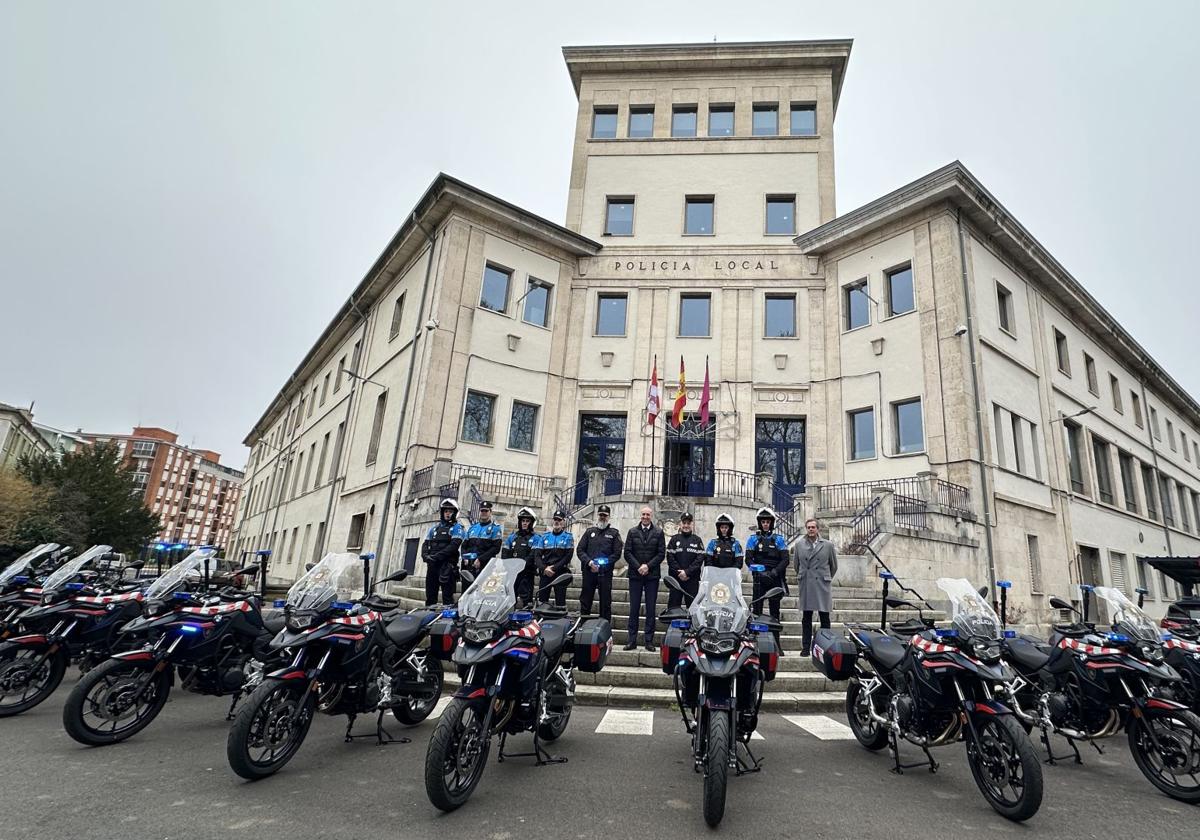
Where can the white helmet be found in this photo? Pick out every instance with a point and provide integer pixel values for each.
(448, 504)
(765, 512)
(526, 513)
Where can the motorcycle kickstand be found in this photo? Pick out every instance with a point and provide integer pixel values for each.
(1051, 758)
(381, 735)
(899, 768)
(1099, 749)
(237, 695)
(752, 766)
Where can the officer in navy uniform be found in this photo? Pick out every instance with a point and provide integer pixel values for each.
(768, 550)
(724, 552)
(554, 559)
(524, 544)
(685, 556)
(440, 552)
(483, 542)
(599, 549)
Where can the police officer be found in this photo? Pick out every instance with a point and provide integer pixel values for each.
(483, 542)
(554, 559)
(768, 557)
(440, 552)
(524, 544)
(685, 556)
(599, 549)
(724, 552)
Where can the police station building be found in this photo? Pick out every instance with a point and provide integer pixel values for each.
(918, 373)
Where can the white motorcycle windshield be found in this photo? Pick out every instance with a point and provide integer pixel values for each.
(169, 580)
(719, 604)
(971, 614)
(71, 568)
(493, 594)
(25, 561)
(338, 577)
(1127, 616)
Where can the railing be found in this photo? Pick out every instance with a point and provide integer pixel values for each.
(572, 498)
(953, 496)
(504, 482)
(735, 484)
(681, 481)
(861, 548)
(645, 481)
(865, 525)
(449, 491)
(421, 480)
(855, 495)
(476, 503)
(910, 511)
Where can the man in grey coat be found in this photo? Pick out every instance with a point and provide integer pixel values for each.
(816, 564)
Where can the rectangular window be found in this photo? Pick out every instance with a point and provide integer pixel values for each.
(297, 487)
(1117, 571)
(397, 317)
(900, 290)
(766, 120)
(1154, 423)
(1075, 456)
(1136, 402)
(522, 426)
(477, 417)
(779, 319)
(698, 215)
(781, 215)
(720, 120)
(604, 123)
(998, 424)
(358, 524)
(319, 545)
(1144, 580)
(376, 428)
(1101, 454)
(1128, 482)
(1089, 367)
(1151, 492)
(338, 440)
(1004, 306)
(610, 314)
(1171, 435)
(1184, 504)
(1187, 453)
(804, 119)
(1018, 444)
(683, 121)
(857, 305)
(618, 217)
(493, 293)
(1166, 500)
(910, 432)
(1035, 563)
(862, 434)
(312, 401)
(1062, 353)
(321, 463)
(694, 311)
(312, 456)
(641, 121)
(537, 303)
(324, 389)
(337, 382)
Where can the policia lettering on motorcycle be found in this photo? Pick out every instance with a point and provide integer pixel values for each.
(523, 543)
(553, 560)
(599, 549)
(440, 552)
(685, 556)
(724, 552)
(768, 557)
(483, 542)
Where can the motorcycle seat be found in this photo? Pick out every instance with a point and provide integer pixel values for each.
(884, 651)
(1029, 655)
(402, 629)
(554, 635)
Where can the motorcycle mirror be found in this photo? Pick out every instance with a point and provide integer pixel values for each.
(983, 592)
(676, 614)
(136, 565)
(893, 601)
(308, 567)
(394, 576)
(774, 592)
(674, 584)
(249, 571)
(466, 575)
(1060, 604)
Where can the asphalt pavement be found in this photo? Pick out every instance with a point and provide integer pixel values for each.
(172, 781)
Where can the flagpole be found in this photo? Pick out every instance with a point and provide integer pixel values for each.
(653, 427)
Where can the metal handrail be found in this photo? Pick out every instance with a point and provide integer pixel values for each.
(856, 494)
(422, 480)
(504, 482)
(895, 577)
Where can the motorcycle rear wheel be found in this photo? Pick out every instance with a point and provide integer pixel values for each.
(1005, 767)
(1178, 733)
(269, 728)
(869, 732)
(716, 766)
(457, 754)
(109, 693)
(24, 683)
(415, 709)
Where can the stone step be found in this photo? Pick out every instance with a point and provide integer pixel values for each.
(664, 698)
(621, 585)
(644, 659)
(639, 677)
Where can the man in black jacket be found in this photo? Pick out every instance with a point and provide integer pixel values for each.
(524, 544)
(685, 556)
(482, 543)
(440, 552)
(553, 559)
(599, 550)
(645, 549)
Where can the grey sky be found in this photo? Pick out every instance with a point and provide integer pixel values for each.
(190, 190)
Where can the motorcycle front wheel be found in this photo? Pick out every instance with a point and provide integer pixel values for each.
(269, 728)
(28, 676)
(115, 700)
(716, 766)
(1173, 765)
(457, 754)
(1005, 767)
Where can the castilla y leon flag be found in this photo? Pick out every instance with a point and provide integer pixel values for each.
(704, 398)
(680, 398)
(652, 401)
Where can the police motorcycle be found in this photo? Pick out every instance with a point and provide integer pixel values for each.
(1181, 626)
(348, 652)
(209, 640)
(720, 657)
(17, 573)
(1087, 684)
(937, 687)
(517, 676)
(73, 620)
(21, 574)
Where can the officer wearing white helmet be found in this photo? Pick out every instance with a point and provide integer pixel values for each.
(440, 552)
(767, 555)
(526, 545)
(724, 552)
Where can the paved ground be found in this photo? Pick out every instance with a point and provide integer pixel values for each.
(172, 781)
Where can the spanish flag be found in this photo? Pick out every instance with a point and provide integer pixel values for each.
(680, 398)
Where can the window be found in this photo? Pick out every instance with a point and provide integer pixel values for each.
(522, 426)
(1128, 482)
(144, 448)
(1101, 453)
(618, 219)
(376, 429)
(1075, 456)
(604, 123)
(804, 119)
(1151, 493)
(1166, 500)
(313, 401)
(1117, 571)
(358, 524)
(698, 215)
(1144, 580)
(1196, 451)
(324, 389)
(862, 434)
(683, 121)
(779, 319)
(765, 120)
(537, 303)
(312, 456)
(781, 215)
(1136, 402)
(694, 313)
(338, 440)
(1115, 387)
(1089, 367)
(998, 424)
(641, 121)
(858, 313)
(1187, 453)
(319, 545)
(397, 317)
(1062, 353)
(493, 294)
(321, 463)
(1184, 504)
(910, 435)
(477, 417)
(297, 487)
(1018, 444)
(337, 382)
(1171, 435)
(1154, 423)
(610, 314)
(720, 120)
(1004, 306)
(900, 290)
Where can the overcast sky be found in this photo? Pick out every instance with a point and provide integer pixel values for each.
(189, 191)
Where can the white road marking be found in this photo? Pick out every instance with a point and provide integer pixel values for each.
(825, 728)
(626, 722)
(439, 708)
(756, 736)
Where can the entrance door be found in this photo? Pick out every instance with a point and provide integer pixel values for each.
(779, 451)
(688, 459)
(601, 444)
(1089, 563)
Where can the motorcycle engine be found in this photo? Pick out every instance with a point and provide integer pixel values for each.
(905, 711)
(1059, 706)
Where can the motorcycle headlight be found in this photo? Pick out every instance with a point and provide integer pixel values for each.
(1151, 653)
(479, 633)
(718, 645)
(299, 621)
(987, 652)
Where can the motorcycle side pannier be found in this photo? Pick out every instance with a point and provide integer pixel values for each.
(443, 637)
(593, 644)
(834, 654)
(671, 646)
(768, 655)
